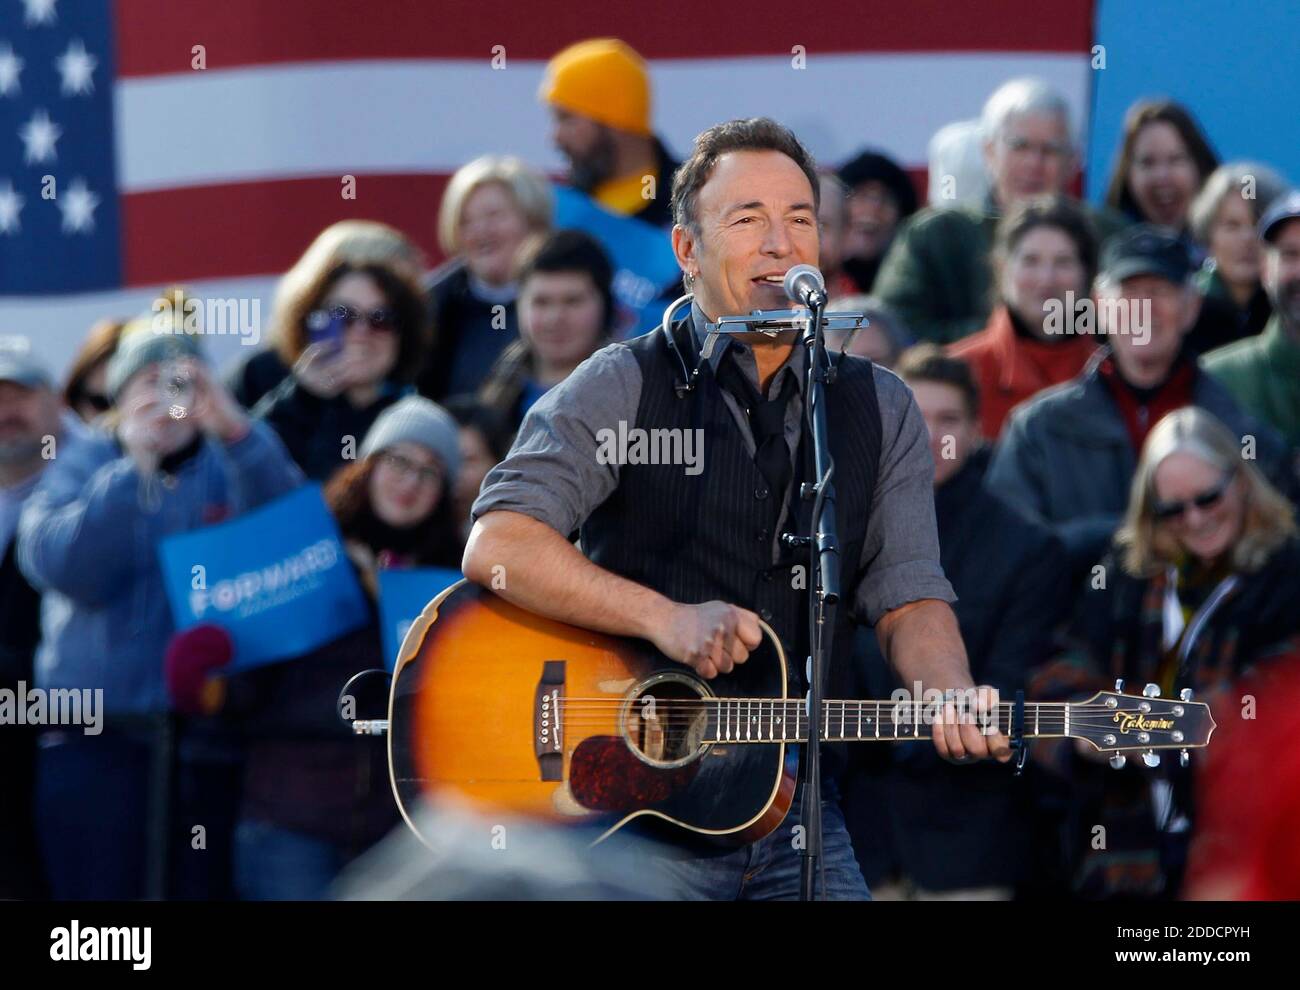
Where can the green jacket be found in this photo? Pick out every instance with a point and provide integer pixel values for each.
(936, 274)
(1263, 374)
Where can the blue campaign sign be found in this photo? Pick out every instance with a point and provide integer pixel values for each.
(402, 597)
(277, 579)
(641, 253)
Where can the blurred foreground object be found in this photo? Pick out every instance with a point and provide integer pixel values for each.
(481, 855)
(1249, 790)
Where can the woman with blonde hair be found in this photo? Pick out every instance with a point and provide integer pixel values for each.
(495, 209)
(1203, 587)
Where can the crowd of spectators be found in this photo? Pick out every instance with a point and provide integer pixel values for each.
(1113, 399)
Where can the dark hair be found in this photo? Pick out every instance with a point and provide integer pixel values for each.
(401, 292)
(1057, 211)
(871, 166)
(1140, 114)
(572, 251)
(100, 345)
(470, 413)
(929, 363)
(434, 542)
(753, 134)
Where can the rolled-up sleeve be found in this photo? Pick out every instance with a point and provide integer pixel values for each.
(553, 472)
(900, 555)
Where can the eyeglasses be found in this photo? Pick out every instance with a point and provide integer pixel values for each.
(1166, 511)
(1048, 149)
(383, 318)
(407, 468)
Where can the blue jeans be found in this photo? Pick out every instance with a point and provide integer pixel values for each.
(278, 864)
(768, 870)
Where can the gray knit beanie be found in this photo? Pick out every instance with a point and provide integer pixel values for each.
(142, 347)
(416, 419)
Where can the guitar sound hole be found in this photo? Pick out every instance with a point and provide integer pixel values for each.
(664, 720)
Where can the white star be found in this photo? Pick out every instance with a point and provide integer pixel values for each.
(78, 208)
(39, 134)
(75, 66)
(10, 66)
(11, 204)
(39, 11)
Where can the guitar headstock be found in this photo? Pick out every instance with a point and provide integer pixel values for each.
(1114, 722)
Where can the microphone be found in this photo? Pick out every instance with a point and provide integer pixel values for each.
(804, 284)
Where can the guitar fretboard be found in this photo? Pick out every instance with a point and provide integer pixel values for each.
(742, 720)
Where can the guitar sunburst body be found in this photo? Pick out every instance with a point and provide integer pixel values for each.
(474, 707)
(535, 717)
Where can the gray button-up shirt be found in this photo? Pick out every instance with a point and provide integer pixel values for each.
(553, 474)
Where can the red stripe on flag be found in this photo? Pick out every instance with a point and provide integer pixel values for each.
(259, 228)
(154, 38)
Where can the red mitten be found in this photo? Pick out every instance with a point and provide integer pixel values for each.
(192, 657)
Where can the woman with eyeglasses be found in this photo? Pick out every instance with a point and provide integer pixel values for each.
(352, 326)
(1202, 588)
(315, 796)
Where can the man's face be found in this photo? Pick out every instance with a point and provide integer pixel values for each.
(588, 145)
(756, 221)
(1146, 353)
(27, 416)
(561, 315)
(1031, 156)
(1282, 272)
(953, 430)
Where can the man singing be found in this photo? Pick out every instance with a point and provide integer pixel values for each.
(692, 560)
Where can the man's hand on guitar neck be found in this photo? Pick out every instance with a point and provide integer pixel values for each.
(923, 644)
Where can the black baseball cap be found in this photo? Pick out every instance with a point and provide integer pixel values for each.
(1145, 249)
(1283, 209)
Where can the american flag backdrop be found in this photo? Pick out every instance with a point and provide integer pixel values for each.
(150, 142)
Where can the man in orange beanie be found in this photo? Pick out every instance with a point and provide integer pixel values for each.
(599, 94)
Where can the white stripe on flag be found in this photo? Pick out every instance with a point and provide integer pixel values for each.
(435, 115)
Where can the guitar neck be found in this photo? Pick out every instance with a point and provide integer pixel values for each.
(766, 720)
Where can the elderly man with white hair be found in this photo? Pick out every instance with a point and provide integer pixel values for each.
(937, 275)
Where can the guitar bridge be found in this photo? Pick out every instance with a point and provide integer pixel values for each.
(548, 734)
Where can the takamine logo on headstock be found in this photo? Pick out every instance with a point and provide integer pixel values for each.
(1141, 722)
(1146, 722)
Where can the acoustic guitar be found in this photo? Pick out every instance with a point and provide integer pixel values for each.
(544, 719)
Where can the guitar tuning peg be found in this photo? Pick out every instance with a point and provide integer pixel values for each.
(1151, 691)
(1118, 760)
(1119, 685)
(1185, 694)
(1184, 757)
(1151, 758)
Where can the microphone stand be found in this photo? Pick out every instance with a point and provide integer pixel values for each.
(825, 571)
(823, 543)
